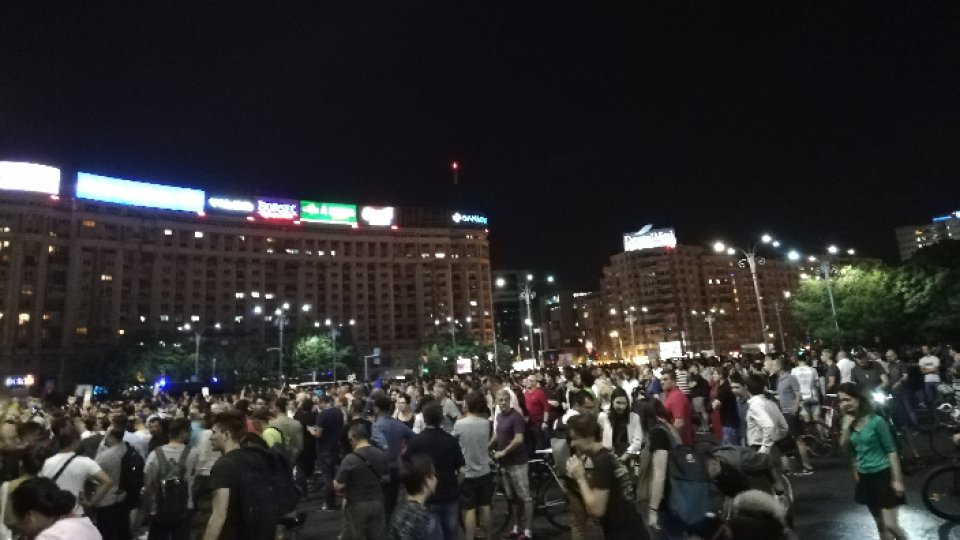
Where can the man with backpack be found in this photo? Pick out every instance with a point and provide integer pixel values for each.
(361, 476)
(292, 430)
(252, 487)
(168, 487)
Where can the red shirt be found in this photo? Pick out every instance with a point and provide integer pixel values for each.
(536, 402)
(678, 405)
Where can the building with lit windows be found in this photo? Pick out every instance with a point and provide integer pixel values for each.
(941, 228)
(87, 261)
(661, 295)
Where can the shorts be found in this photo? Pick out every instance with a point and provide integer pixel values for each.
(699, 405)
(477, 491)
(811, 406)
(874, 491)
(516, 481)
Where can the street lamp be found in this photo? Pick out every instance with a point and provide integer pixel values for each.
(751, 260)
(616, 335)
(281, 322)
(333, 338)
(776, 303)
(453, 337)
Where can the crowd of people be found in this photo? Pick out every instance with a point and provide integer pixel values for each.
(415, 459)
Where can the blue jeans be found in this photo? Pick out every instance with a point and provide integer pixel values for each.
(903, 411)
(448, 515)
(931, 394)
(730, 437)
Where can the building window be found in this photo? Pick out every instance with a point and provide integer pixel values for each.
(23, 319)
(89, 223)
(164, 318)
(106, 277)
(81, 330)
(167, 232)
(198, 234)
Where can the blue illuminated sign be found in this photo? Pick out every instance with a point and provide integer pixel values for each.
(955, 215)
(114, 190)
(465, 218)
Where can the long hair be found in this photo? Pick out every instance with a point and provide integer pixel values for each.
(864, 406)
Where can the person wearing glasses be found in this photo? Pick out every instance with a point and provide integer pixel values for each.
(876, 464)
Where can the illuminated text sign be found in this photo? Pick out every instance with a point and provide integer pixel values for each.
(225, 204)
(17, 176)
(277, 208)
(377, 216)
(330, 213)
(114, 190)
(649, 239)
(476, 219)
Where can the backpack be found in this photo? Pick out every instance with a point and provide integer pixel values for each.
(267, 492)
(173, 491)
(689, 499)
(561, 447)
(131, 475)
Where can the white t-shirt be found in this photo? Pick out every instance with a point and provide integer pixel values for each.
(807, 376)
(79, 528)
(74, 476)
(845, 366)
(927, 362)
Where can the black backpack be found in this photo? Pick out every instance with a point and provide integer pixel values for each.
(131, 475)
(173, 490)
(267, 492)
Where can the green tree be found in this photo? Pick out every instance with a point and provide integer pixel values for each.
(929, 284)
(313, 351)
(868, 307)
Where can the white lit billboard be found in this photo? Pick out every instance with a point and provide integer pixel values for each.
(231, 204)
(128, 192)
(378, 216)
(19, 176)
(647, 238)
(471, 218)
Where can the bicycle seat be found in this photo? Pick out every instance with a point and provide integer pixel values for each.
(544, 451)
(294, 521)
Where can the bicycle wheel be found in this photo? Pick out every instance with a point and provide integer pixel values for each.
(817, 446)
(941, 492)
(501, 512)
(941, 444)
(552, 503)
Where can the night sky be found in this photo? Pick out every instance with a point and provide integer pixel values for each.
(573, 122)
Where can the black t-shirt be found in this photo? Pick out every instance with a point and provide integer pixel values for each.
(729, 413)
(702, 389)
(447, 458)
(868, 377)
(620, 519)
(833, 371)
(307, 418)
(330, 420)
(361, 472)
(227, 473)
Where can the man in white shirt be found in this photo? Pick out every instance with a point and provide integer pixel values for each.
(766, 425)
(845, 365)
(809, 394)
(71, 471)
(930, 367)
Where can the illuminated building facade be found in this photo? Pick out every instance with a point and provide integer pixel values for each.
(941, 228)
(81, 265)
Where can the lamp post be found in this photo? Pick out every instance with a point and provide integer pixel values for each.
(527, 294)
(776, 303)
(453, 337)
(751, 260)
(198, 337)
(281, 314)
(616, 335)
(633, 339)
(333, 338)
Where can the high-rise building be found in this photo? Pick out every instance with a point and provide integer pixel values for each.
(658, 291)
(941, 228)
(83, 265)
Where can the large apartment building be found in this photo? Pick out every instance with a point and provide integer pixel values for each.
(81, 266)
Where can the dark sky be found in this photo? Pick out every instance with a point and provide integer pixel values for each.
(574, 122)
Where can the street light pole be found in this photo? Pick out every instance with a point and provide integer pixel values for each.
(526, 295)
(710, 320)
(751, 260)
(633, 339)
(825, 269)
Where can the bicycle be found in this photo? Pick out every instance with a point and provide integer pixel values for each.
(941, 492)
(549, 495)
(948, 423)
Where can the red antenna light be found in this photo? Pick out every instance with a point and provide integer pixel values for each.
(456, 165)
